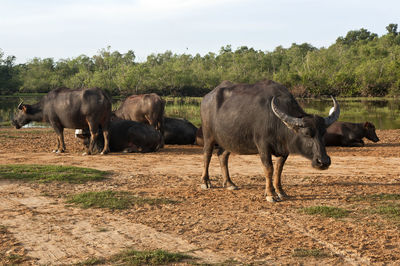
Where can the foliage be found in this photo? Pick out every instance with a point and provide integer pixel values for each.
(359, 64)
(50, 173)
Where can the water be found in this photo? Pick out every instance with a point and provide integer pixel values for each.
(383, 113)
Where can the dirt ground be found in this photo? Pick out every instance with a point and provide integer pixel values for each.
(216, 225)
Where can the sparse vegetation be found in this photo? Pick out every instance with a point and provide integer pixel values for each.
(376, 197)
(50, 173)
(112, 200)
(155, 257)
(134, 257)
(326, 211)
(317, 253)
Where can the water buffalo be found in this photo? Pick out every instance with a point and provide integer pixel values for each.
(145, 108)
(70, 108)
(179, 131)
(261, 118)
(127, 136)
(349, 134)
(199, 137)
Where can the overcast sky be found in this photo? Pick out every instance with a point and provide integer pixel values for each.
(69, 28)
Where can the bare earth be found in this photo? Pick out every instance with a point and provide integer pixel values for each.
(214, 225)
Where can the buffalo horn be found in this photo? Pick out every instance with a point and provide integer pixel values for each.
(333, 114)
(20, 105)
(290, 121)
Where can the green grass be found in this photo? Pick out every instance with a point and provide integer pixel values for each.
(389, 211)
(50, 173)
(155, 257)
(316, 253)
(326, 211)
(113, 200)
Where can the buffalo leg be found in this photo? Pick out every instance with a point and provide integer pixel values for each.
(277, 177)
(60, 139)
(223, 157)
(93, 129)
(106, 135)
(269, 171)
(207, 153)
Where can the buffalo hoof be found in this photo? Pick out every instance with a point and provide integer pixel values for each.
(283, 196)
(272, 199)
(204, 186)
(232, 188)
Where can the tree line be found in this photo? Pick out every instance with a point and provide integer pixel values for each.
(358, 64)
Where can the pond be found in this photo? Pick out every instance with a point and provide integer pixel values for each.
(384, 113)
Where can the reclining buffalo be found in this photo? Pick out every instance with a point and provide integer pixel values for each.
(127, 136)
(179, 131)
(348, 134)
(70, 108)
(144, 108)
(261, 118)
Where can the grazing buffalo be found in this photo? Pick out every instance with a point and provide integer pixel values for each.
(349, 134)
(69, 108)
(179, 131)
(127, 136)
(261, 118)
(145, 108)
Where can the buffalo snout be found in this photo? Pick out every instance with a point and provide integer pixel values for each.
(16, 124)
(321, 163)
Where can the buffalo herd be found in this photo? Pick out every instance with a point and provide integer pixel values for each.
(262, 118)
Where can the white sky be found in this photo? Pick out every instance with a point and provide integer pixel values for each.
(69, 28)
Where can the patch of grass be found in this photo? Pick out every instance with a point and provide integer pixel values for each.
(112, 200)
(376, 197)
(50, 173)
(155, 257)
(326, 211)
(10, 136)
(92, 261)
(390, 211)
(15, 259)
(316, 253)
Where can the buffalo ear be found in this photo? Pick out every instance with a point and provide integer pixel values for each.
(367, 124)
(24, 108)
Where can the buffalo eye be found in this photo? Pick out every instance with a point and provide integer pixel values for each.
(308, 132)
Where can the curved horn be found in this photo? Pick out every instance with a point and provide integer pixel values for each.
(333, 114)
(290, 121)
(20, 105)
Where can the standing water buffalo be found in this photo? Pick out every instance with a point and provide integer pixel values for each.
(261, 118)
(127, 136)
(349, 134)
(68, 108)
(145, 108)
(179, 131)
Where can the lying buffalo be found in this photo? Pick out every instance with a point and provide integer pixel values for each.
(145, 108)
(349, 134)
(68, 108)
(199, 137)
(261, 118)
(179, 131)
(127, 136)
